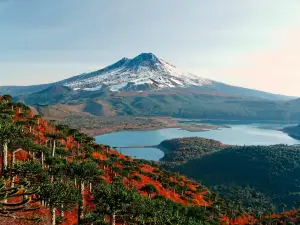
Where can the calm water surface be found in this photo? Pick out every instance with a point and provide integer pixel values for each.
(242, 134)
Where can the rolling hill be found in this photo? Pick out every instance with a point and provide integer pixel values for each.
(255, 175)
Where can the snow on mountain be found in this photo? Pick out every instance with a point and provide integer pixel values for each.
(144, 72)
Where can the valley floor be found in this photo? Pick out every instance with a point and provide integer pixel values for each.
(102, 125)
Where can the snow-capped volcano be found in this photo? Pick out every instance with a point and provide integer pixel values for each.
(144, 72)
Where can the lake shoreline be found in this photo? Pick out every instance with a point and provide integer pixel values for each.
(193, 127)
(145, 145)
(95, 126)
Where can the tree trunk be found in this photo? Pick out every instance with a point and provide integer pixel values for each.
(4, 159)
(90, 187)
(62, 214)
(12, 181)
(113, 219)
(53, 217)
(13, 160)
(81, 202)
(42, 158)
(53, 148)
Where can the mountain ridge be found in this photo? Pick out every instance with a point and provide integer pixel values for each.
(145, 72)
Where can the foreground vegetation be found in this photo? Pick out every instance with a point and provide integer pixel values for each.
(52, 173)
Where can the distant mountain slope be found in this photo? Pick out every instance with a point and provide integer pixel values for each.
(181, 103)
(22, 90)
(229, 89)
(50, 95)
(145, 72)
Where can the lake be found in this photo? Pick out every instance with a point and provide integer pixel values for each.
(238, 134)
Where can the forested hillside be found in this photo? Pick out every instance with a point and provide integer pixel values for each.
(293, 131)
(184, 149)
(52, 174)
(262, 177)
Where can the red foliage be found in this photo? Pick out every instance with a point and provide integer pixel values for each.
(146, 168)
(43, 126)
(101, 156)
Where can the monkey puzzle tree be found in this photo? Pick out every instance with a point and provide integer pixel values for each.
(150, 189)
(31, 171)
(83, 172)
(53, 137)
(37, 118)
(9, 132)
(31, 122)
(22, 189)
(112, 199)
(83, 139)
(7, 98)
(58, 194)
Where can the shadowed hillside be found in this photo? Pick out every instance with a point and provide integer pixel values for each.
(269, 174)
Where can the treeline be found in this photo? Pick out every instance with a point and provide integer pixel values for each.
(184, 149)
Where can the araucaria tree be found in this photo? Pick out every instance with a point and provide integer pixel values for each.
(84, 173)
(57, 194)
(54, 137)
(9, 132)
(111, 199)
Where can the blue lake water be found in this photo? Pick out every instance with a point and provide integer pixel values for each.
(238, 134)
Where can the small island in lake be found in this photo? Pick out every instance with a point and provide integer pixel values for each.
(184, 149)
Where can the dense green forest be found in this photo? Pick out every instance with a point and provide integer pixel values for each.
(184, 149)
(264, 176)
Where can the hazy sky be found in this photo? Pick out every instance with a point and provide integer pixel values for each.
(250, 43)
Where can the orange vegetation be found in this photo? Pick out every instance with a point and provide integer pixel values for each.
(197, 198)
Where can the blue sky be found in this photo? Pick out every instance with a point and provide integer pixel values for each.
(248, 43)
